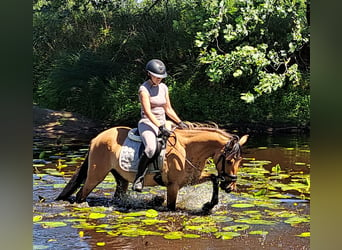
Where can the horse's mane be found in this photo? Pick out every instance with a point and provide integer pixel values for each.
(210, 126)
(232, 148)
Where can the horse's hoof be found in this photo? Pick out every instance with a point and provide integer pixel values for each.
(207, 207)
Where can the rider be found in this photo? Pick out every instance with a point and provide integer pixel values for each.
(155, 103)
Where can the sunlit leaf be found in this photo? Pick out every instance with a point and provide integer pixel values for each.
(59, 185)
(38, 165)
(113, 233)
(153, 221)
(260, 192)
(296, 220)
(101, 244)
(147, 232)
(258, 232)
(37, 218)
(226, 235)
(191, 236)
(255, 221)
(52, 224)
(240, 227)
(135, 214)
(242, 205)
(221, 218)
(300, 163)
(96, 215)
(305, 234)
(194, 227)
(151, 213)
(128, 219)
(130, 232)
(173, 235)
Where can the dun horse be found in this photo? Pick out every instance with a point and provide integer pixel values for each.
(186, 154)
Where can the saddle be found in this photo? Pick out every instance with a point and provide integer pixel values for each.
(132, 149)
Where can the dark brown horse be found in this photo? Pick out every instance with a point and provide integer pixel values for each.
(186, 154)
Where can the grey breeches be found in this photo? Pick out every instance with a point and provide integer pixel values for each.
(149, 138)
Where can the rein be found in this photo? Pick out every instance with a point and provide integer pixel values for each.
(186, 159)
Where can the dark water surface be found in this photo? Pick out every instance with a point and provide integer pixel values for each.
(270, 210)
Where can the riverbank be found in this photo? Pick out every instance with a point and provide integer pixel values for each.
(58, 125)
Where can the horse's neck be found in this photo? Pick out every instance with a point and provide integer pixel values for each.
(203, 144)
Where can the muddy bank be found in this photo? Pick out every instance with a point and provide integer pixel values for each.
(61, 125)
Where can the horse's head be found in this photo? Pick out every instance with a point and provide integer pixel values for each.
(228, 161)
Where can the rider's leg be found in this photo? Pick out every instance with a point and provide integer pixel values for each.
(148, 136)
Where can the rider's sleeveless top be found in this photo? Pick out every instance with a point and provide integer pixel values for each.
(157, 95)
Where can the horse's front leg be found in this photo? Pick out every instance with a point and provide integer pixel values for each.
(214, 199)
(172, 192)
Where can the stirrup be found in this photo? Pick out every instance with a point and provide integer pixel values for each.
(138, 184)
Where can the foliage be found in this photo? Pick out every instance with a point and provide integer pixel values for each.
(89, 57)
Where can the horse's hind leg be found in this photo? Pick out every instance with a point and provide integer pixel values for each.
(96, 174)
(121, 185)
(75, 182)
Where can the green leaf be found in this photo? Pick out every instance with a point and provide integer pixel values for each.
(296, 220)
(191, 236)
(37, 218)
(96, 215)
(242, 205)
(240, 227)
(52, 224)
(173, 235)
(258, 232)
(305, 234)
(151, 213)
(226, 235)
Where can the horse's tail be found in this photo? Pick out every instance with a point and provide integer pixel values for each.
(75, 182)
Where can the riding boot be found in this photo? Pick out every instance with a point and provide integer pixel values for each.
(138, 183)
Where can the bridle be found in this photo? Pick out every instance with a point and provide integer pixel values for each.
(232, 150)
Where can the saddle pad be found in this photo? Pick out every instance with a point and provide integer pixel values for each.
(130, 153)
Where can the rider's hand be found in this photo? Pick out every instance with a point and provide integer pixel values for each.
(164, 131)
(182, 125)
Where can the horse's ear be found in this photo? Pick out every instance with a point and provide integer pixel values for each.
(243, 139)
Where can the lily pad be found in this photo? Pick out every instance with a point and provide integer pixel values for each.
(52, 224)
(151, 213)
(226, 235)
(240, 227)
(258, 232)
(255, 221)
(242, 205)
(96, 215)
(173, 235)
(296, 220)
(191, 236)
(37, 218)
(305, 234)
(152, 221)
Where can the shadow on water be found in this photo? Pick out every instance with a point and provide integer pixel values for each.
(270, 209)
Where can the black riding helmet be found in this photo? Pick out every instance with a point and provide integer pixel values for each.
(156, 68)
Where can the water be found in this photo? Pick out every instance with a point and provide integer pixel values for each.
(274, 219)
